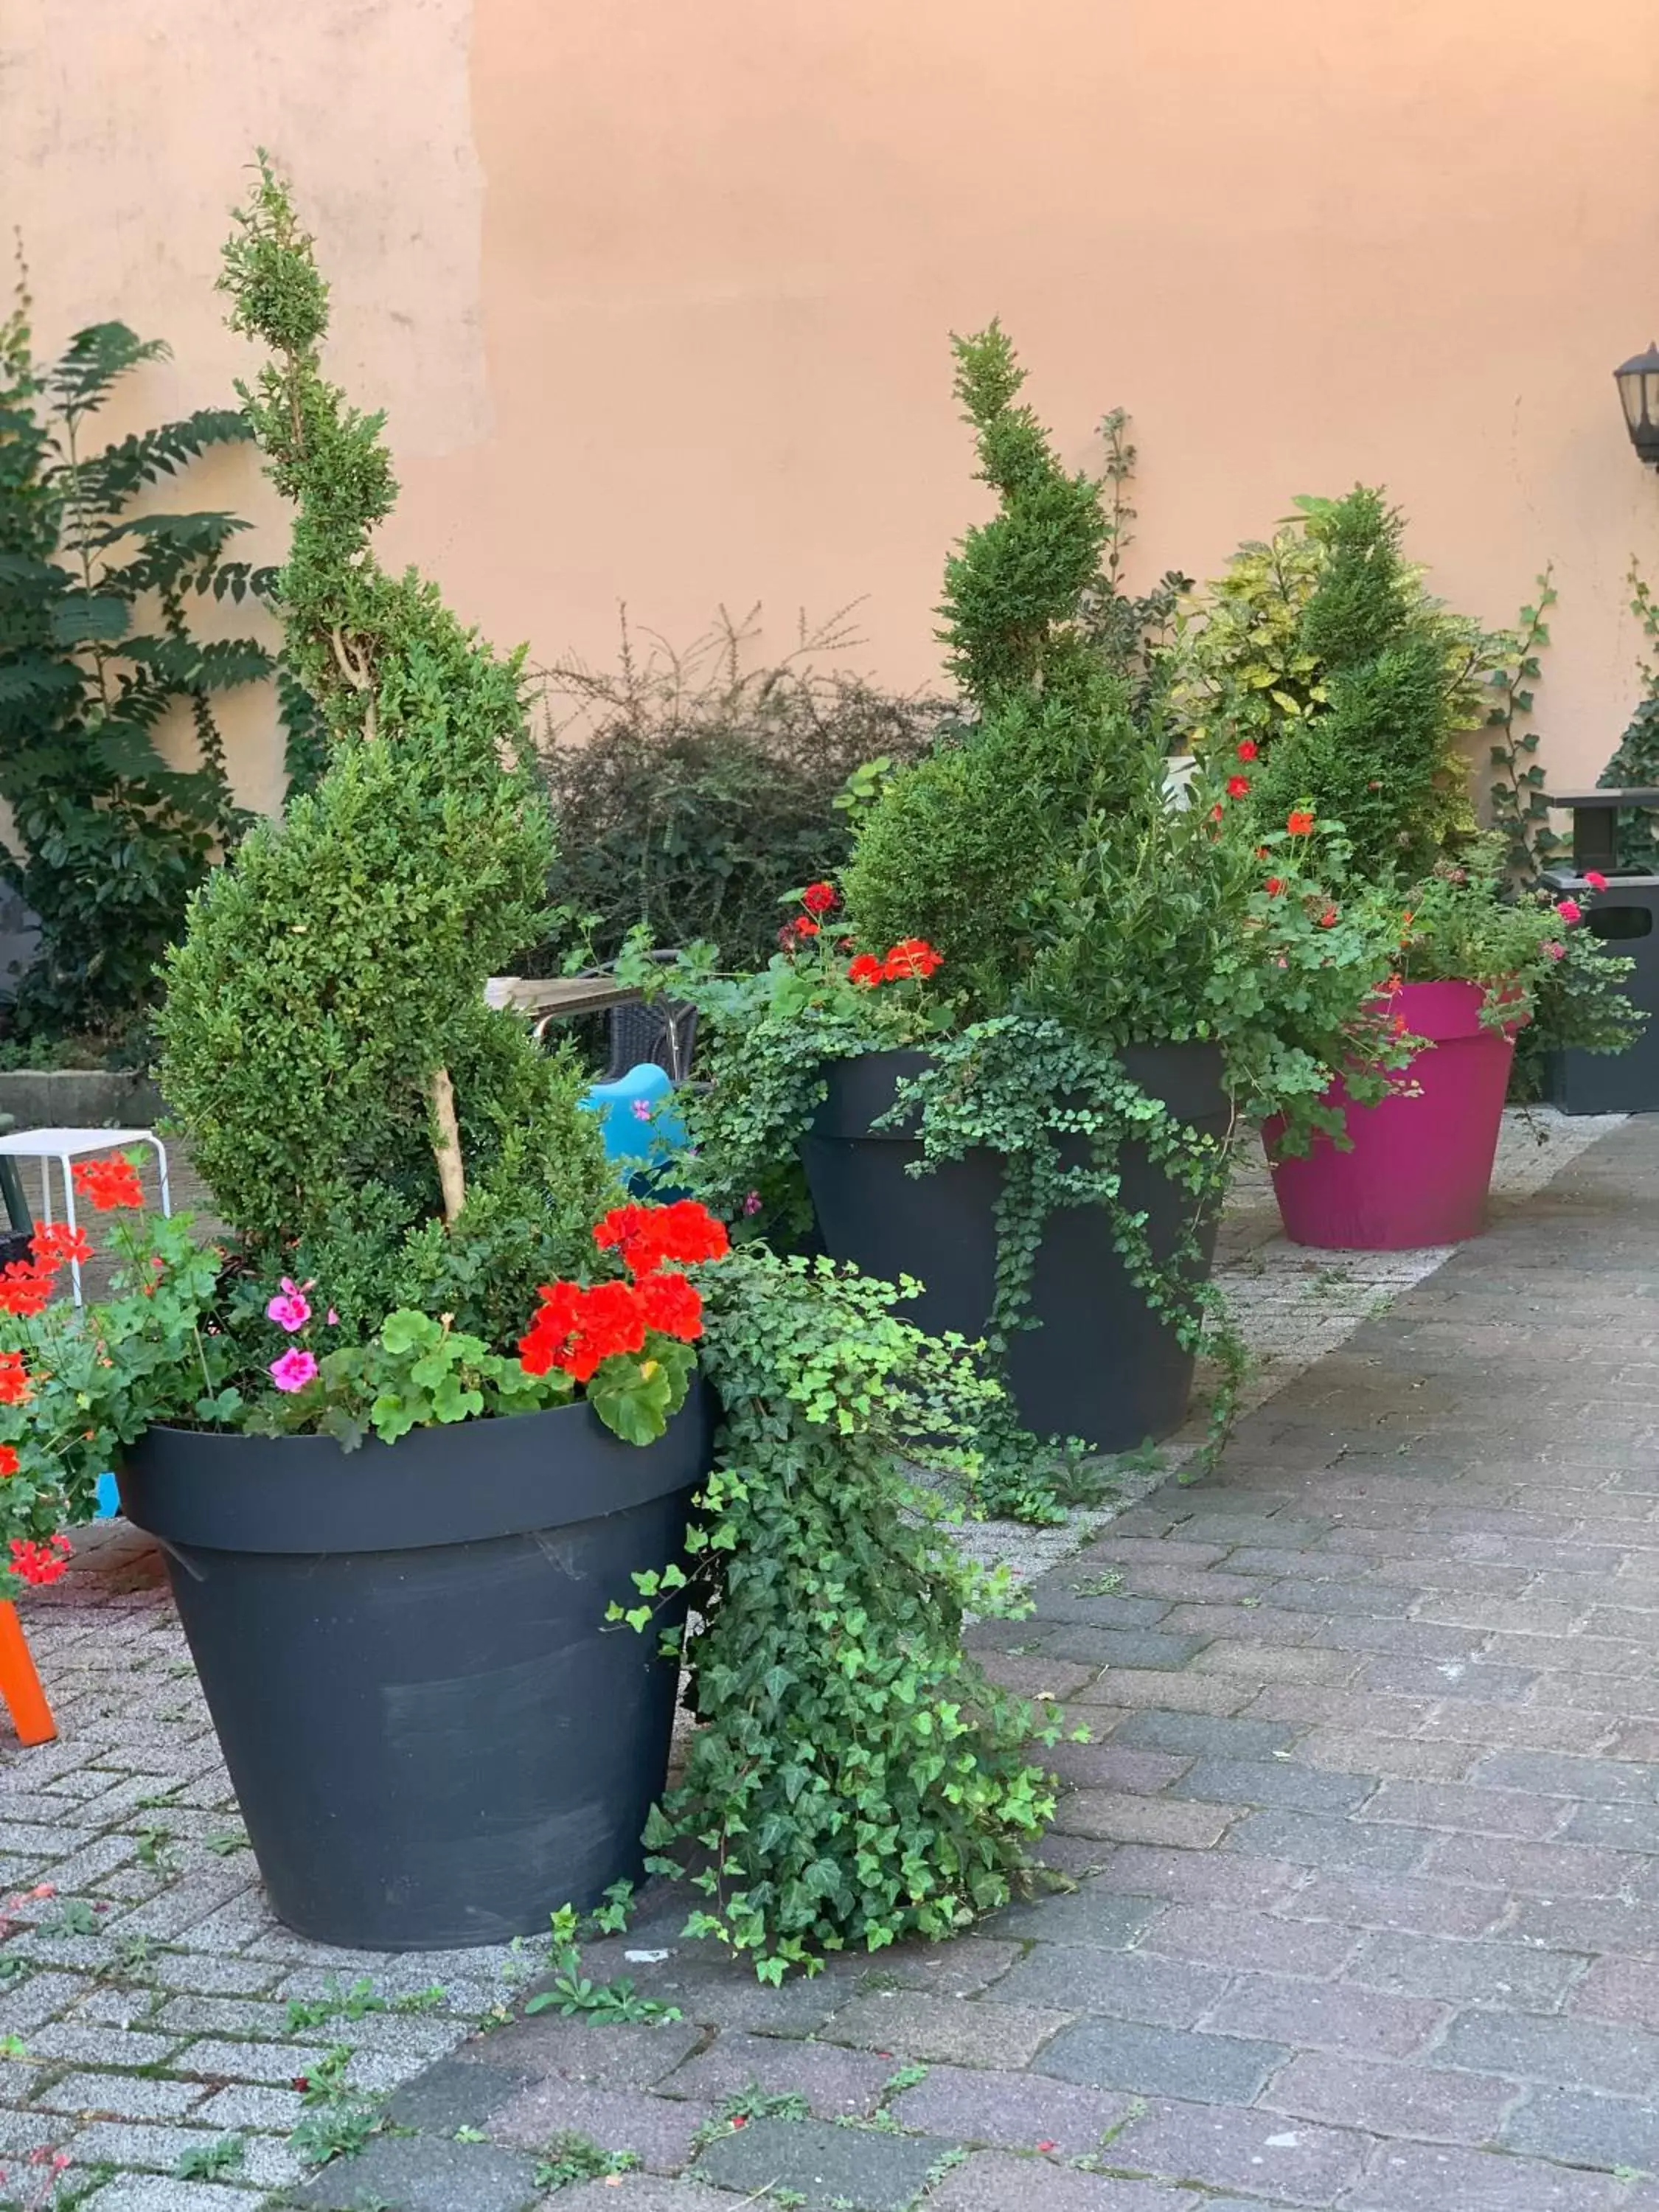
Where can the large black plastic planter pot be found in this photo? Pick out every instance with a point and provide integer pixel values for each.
(434, 1738)
(1101, 1365)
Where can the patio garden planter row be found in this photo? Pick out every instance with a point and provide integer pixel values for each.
(1421, 1160)
(435, 1739)
(1099, 1365)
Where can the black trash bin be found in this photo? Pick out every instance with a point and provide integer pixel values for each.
(1626, 917)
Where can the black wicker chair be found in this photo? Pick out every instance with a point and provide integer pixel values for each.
(657, 1032)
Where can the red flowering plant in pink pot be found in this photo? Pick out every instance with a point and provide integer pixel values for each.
(1469, 966)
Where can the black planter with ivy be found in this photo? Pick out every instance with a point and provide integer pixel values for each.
(1091, 988)
(1086, 1354)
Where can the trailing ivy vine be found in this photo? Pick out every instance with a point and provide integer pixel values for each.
(1516, 790)
(857, 1778)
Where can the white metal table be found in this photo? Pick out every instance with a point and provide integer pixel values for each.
(68, 1146)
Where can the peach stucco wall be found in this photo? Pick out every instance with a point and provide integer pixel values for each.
(656, 296)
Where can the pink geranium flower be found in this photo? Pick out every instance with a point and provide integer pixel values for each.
(293, 1370)
(1569, 909)
(1552, 949)
(289, 1310)
(1595, 879)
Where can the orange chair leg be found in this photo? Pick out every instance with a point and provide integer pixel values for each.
(20, 1684)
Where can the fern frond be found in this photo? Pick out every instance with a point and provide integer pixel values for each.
(89, 618)
(94, 361)
(241, 579)
(103, 483)
(188, 664)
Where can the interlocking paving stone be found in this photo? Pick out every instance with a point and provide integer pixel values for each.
(642, 2192)
(835, 2082)
(1392, 2101)
(627, 2056)
(1496, 1973)
(1141, 1688)
(1205, 1736)
(1424, 2177)
(1398, 1901)
(860, 2168)
(1013, 2111)
(1109, 2054)
(1093, 1917)
(456, 2093)
(420, 2173)
(1328, 2016)
(129, 2096)
(1115, 1766)
(1252, 1939)
(661, 2130)
(1582, 2128)
(1227, 1880)
(1122, 1647)
(1298, 2162)
(1464, 1807)
(992, 2181)
(1589, 2054)
(1279, 1784)
(1321, 1841)
(1126, 1818)
(1618, 1988)
(1129, 1985)
(1538, 1869)
(147, 2192)
(978, 2033)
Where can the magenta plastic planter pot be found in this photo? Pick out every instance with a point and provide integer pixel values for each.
(1421, 1164)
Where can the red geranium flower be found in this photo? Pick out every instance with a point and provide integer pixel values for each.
(56, 1242)
(1247, 749)
(818, 898)
(1238, 786)
(867, 970)
(24, 1290)
(1300, 823)
(671, 1305)
(1274, 885)
(108, 1183)
(911, 956)
(1328, 920)
(8, 1459)
(14, 1389)
(646, 1236)
(40, 1563)
(578, 1329)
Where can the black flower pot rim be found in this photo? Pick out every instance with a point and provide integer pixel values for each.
(222, 1490)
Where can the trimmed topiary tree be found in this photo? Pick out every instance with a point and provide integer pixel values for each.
(350, 1098)
(1354, 685)
(961, 848)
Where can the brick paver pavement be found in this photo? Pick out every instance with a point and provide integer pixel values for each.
(1366, 1849)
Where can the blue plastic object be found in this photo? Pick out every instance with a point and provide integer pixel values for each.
(643, 1131)
(109, 1498)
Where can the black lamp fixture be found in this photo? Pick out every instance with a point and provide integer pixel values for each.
(1639, 388)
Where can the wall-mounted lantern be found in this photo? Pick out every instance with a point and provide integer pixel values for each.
(1639, 388)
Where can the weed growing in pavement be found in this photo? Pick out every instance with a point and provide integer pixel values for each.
(571, 2158)
(573, 1993)
(210, 2162)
